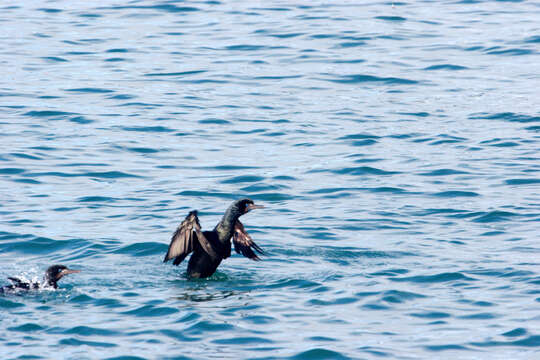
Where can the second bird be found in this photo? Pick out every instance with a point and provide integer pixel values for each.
(211, 247)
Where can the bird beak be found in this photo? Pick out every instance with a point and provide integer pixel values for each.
(253, 206)
(66, 272)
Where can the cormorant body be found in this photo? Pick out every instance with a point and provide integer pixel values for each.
(50, 280)
(211, 247)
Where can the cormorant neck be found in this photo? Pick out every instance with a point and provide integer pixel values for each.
(47, 281)
(225, 227)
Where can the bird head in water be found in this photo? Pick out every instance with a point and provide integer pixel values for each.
(246, 205)
(56, 272)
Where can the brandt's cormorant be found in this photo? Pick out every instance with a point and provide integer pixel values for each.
(50, 279)
(211, 247)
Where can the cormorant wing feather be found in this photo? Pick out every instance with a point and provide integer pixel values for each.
(183, 239)
(244, 244)
(18, 283)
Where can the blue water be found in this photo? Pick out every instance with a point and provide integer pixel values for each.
(394, 146)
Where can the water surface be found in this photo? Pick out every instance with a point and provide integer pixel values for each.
(394, 146)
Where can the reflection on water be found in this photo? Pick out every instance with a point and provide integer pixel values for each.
(216, 287)
(202, 295)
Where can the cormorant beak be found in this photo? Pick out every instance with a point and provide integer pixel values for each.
(253, 206)
(66, 272)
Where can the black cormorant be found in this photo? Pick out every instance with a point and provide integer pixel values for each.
(211, 247)
(50, 279)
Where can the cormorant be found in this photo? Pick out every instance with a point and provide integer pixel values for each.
(211, 247)
(50, 279)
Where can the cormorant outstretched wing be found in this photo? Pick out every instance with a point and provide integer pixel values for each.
(244, 244)
(183, 240)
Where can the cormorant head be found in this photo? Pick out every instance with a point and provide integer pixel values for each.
(245, 205)
(56, 272)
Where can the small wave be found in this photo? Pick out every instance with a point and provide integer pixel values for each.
(117, 50)
(494, 216)
(152, 311)
(96, 199)
(243, 179)
(26, 156)
(90, 90)
(283, 77)
(54, 59)
(437, 278)
(140, 104)
(350, 44)
(431, 315)
(398, 297)
(142, 249)
(195, 193)
(531, 341)
(479, 316)
(272, 197)
(359, 137)
(246, 47)
(443, 172)
(109, 175)
(261, 187)
(506, 144)
(29, 244)
(292, 283)
(506, 116)
(363, 170)
(203, 81)
(390, 272)
(214, 121)
(122, 97)
(360, 78)
(77, 342)
(82, 299)
(170, 8)
(318, 354)
(243, 340)
(48, 113)
(142, 150)
(90, 331)
(50, 10)
(11, 171)
(8, 304)
(421, 114)
(455, 193)
(438, 348)
(351, 61)
(203, 327)
(336, 301)
(446, 67)
(533, 39)
(78, 53)
(175, 74)
(508, 52)
(229, 167)
(390, 18)
(522, 181)
(150, 129)
(285, 178)
(515, 332)
(81, 120)
(178, 335)
(27, 328)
